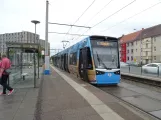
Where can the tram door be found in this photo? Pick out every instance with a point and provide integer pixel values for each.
(83, 62)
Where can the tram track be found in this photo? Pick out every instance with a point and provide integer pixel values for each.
(121, 98)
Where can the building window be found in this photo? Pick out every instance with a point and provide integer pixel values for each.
(132, 44)
(131, 50)
(136, 50)
(154, 48)
(146, 53)
(131, 57)
(127, 51)
(127, 44)
(154, 57)
(146, 45)
(127, 58)
(141, 49)
(154, 39)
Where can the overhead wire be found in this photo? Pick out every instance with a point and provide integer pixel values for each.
(68, 34)
(81, 15)
(97, 13)
(109, 16)
(113, 14)
(85, 11)
(132, 16)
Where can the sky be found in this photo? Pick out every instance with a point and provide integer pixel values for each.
(16, 16)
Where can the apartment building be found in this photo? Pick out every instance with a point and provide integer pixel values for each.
(143, 46)
(127, 46)
(20, 37)
(150, 43)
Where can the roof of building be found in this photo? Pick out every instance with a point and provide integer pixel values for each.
(130, 37)
(150, 32)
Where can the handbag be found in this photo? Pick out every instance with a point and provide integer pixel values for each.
(0, 80)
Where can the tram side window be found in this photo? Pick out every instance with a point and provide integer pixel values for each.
(73, 59)
(70, 60)
(89, 59)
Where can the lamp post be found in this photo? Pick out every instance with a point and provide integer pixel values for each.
(35, 22)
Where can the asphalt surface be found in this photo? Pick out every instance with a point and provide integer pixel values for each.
(144, 98)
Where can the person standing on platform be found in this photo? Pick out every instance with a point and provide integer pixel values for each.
(5, 65)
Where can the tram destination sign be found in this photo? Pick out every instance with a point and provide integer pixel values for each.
(104, 43)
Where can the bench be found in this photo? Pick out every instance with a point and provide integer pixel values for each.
(23, 75)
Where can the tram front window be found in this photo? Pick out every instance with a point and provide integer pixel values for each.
(106, 57)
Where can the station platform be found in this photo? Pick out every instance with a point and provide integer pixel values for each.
(152, 78)
(62, 96)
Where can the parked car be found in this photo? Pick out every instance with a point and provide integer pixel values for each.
(133, 63)
(152, 68)
(123, 64)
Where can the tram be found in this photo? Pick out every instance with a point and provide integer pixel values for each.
(94, 59)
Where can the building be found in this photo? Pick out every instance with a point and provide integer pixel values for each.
(143, 46)
(20, 37)
(127, 46)
(150, 42)
(42, 44)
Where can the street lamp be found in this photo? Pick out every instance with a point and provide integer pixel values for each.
(35, 22)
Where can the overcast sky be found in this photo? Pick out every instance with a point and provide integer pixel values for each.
(17, 14)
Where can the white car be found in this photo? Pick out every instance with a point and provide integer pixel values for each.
(152, 68)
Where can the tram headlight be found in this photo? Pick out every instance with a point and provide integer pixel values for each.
(99, 72)
(117, 72)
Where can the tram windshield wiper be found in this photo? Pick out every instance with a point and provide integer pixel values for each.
(113, 58)
(100, 61)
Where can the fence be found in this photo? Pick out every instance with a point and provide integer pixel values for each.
(152, 72)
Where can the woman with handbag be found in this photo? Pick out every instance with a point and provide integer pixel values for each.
(5, 64)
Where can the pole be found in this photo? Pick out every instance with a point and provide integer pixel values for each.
(35, 61)
(35, 34)
(38, 54)
(38, 61)
(47, 71)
